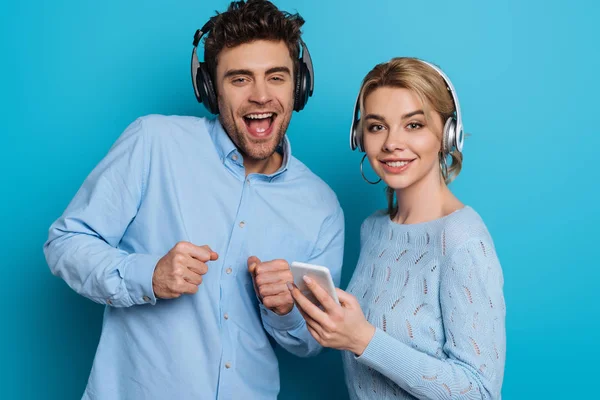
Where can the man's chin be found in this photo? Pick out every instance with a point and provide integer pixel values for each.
(260, 150)
(260, 139)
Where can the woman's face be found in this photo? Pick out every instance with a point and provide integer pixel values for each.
(401, 144)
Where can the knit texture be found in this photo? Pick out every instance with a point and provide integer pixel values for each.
(433, 291)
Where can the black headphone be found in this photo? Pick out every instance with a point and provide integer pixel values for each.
(205, 90)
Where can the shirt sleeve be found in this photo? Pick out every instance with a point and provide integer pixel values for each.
(82, 244)
(290, 330)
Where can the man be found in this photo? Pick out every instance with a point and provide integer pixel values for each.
(186, 227)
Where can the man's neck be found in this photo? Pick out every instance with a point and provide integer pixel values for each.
(266, 167)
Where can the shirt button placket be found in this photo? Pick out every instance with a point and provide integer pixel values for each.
(229, 284)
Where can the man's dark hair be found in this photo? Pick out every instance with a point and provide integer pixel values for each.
(247, 21)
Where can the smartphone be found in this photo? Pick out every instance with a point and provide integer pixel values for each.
(319, 274)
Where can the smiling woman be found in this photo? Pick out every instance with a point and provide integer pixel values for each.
(423, 316)
(430, 110)
(395, 119)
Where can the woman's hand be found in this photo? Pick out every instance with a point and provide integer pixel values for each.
(342, 327)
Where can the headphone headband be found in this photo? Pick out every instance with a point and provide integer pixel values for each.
(459, 127)
(200, 32)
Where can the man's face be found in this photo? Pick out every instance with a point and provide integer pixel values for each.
(255, 86)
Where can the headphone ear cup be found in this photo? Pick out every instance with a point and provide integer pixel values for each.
(206, 89)
(459, 138)
(357, 139)
(195, 80)
(449, 136)
(359, 136)
(302, 84)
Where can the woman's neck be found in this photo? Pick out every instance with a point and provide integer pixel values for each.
(425, 200)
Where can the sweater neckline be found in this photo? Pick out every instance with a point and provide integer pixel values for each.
(426, 225)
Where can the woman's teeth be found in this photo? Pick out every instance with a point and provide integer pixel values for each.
(396, 164)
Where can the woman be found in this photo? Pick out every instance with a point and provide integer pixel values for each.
(424, 315)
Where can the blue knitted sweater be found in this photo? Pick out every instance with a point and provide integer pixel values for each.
(433, 291)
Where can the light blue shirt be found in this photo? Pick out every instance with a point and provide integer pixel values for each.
(171, 179)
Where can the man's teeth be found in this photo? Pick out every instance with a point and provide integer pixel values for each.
(397, 164)
(259, 116)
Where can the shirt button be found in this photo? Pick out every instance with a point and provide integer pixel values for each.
(228, 270)
(226, 316)
(234, 157)
(242, 224)
(227, 365)
(146, 299)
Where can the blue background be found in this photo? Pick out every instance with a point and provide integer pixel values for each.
(76, 73)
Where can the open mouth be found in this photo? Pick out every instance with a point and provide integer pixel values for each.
(260, 125)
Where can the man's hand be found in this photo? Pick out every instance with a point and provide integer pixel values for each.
(180, 270)
(270, 283)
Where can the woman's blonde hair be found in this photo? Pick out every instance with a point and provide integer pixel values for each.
(430, 87)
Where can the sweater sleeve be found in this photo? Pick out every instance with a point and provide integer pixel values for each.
(473, 316)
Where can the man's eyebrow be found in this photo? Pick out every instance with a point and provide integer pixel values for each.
(233, 72)
(247, 72)
(279, 69)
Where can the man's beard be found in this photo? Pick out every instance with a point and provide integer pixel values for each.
(255, 150)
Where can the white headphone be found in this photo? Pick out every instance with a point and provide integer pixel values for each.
(453, 136)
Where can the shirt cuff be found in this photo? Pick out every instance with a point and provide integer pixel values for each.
(287, 322)
(138, 278)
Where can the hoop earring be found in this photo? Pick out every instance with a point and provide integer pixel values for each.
(443, 166)
(363, 173)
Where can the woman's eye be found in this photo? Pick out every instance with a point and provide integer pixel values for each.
(414, 125)
(375, 128)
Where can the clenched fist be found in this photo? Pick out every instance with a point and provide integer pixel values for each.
(270, 283)
(180, 270)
